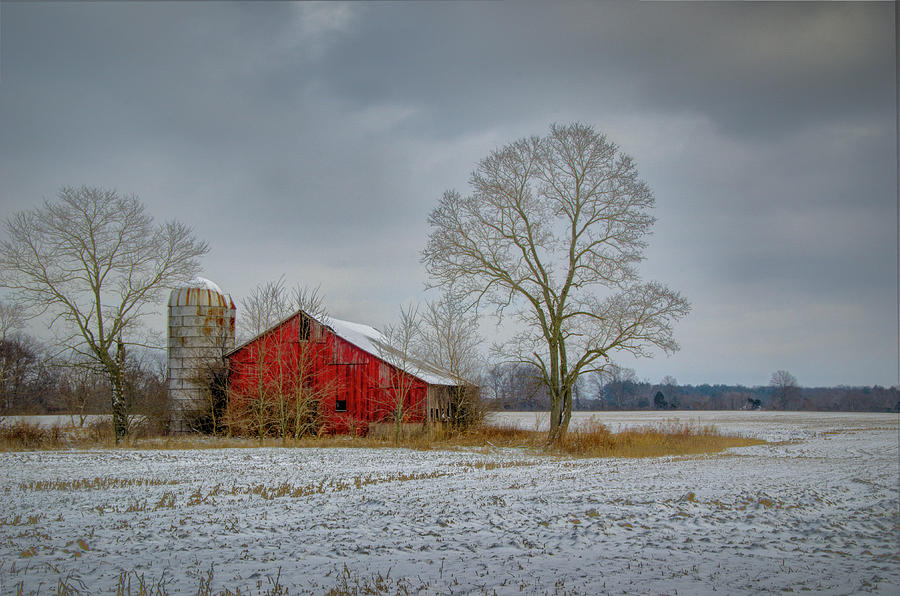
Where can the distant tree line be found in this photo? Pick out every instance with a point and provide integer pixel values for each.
(517, 387)
(35, 381)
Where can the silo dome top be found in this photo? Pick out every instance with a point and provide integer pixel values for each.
(201, 283)
(199, 291)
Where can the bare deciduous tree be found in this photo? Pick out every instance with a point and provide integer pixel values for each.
(514, 385)
(448, 338)
(552, 223)
(21, 363)
(207, 415)
(308, 390)
(266, 304)
(785, 391)
(82, 389)
(672, 391)
(616, 386)
(263, 307)
(400, 341)
(95, 261)
(12, 320)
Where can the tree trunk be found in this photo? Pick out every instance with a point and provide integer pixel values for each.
(556, 402)
(119, 408)
(566, 410)
(560, 415)
(119, 411)
(556, 418)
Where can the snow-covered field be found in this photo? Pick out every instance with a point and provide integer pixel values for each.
(815, 510)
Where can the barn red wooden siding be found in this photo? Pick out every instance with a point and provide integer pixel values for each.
(302, 350)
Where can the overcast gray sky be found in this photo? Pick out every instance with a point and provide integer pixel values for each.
(312, 140)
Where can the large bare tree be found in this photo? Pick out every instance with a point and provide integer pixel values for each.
(96, 262)
(552, 232)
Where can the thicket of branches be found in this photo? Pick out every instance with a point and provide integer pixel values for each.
(440, 337)
(286, 396)
(37, 381)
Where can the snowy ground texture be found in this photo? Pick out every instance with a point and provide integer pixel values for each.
(816, 510)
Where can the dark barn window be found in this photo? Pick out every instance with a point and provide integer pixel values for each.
(340, 405)
(304, 328)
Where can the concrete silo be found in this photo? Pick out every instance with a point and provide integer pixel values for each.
(201, 330)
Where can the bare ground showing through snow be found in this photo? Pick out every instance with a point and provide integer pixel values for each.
(816, 509)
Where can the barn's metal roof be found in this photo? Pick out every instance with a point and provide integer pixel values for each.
(374, 342)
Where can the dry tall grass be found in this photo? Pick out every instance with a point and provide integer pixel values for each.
(594, 439)
(22, 435)
(591, 439)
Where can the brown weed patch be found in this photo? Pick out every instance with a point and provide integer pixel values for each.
(594, 439)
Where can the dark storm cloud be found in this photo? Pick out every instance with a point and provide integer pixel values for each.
(752, 69)
(312, 140)
(228, 117)
(769, 70)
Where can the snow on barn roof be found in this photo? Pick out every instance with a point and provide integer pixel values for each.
(374, 342)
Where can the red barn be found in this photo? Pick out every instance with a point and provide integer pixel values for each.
(355, 377)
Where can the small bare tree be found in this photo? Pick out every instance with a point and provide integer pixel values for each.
(208, 414)
(21, 364)
(82, 389)
(96, 261)
(614, 383)
(553, 231)
(12, 320)
(398, 347)
(672, 390)
(146, 391)
(309, 389)
(449, 339)
(514, 385)
(267, 304)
